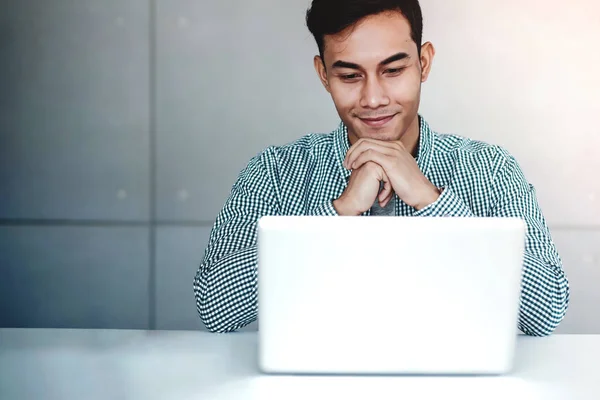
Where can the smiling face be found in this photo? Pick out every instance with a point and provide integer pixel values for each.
(373, 72)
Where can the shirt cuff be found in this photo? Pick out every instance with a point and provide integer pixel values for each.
(448, 204)
(324, 210)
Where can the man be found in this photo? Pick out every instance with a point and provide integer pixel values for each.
(383, 159)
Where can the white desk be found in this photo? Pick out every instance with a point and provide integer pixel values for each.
(103, 364)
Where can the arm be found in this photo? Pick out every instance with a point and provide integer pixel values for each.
(544, 289)
(225, 285)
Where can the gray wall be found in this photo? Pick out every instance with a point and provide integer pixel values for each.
(124, 123)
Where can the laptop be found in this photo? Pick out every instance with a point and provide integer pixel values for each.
(388, 295)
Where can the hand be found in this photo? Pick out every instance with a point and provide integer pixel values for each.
(399, 165)
(362, 190)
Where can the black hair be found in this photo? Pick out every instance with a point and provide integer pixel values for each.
(328, 17)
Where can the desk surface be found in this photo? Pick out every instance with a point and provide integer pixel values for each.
(124, 364)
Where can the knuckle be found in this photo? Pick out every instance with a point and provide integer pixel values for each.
(376, 168)
(368, 165)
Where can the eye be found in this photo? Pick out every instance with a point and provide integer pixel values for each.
(394, 71)
(350, 77)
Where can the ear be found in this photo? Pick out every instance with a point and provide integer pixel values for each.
(321, 72)
(427, 55)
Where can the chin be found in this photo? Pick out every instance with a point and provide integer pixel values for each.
(384, 135)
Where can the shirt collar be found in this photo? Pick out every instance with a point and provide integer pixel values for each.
(341, 145)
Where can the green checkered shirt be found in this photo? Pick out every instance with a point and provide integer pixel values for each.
(304, 177)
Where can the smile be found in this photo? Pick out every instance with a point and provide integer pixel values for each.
(377, 122)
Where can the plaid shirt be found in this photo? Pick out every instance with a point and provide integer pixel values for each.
(304, 177)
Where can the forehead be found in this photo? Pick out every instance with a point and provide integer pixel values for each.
(371, 40)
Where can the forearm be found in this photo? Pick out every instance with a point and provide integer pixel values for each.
(544, 297)
(326, 209)
(226, 291)
(544, 293)
(448, 204)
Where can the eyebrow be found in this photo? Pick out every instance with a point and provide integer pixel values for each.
(389, 60)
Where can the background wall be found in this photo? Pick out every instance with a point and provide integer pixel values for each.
(123, 125)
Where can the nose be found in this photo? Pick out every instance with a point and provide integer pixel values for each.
(373, 94)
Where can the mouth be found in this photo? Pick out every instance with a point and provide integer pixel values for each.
(377, 122)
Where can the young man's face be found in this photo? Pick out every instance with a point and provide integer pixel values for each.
(374, 73)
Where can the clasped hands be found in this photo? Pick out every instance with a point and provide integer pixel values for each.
(374, 161)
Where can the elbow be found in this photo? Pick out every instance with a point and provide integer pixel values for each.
(547, 322)
(215, 321)
(544, 303)
(538, 330)
(206, 311)
(214, 315)
(215, 326)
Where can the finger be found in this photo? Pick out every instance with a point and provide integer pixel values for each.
(384, 143)
(370, 155)
(351, 150)
(386, 193)
(384, 202)
(364, 145)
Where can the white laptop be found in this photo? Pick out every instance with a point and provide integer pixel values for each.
(388, 295)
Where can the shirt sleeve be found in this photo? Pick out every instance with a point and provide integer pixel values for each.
(448, 204)
(225, 284)
(544, 288)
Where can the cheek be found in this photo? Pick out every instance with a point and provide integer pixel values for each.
(405, 90)
(345, 97)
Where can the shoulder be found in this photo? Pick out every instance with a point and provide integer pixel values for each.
(304, 149)
(479, 158)
(305, 145)
(301, 150)
(458, 146)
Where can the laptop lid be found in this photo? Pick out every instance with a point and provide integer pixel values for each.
(388, 294)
